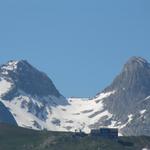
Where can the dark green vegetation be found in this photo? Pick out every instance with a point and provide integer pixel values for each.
(16, 138)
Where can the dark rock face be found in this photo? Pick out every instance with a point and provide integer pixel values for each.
(28, 79)
(135, 75)
(132, 86)
(6, 116)
(33, 81)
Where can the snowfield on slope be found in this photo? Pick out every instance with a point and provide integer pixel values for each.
(30, 112)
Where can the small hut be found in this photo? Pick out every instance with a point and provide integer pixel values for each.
(111, 133)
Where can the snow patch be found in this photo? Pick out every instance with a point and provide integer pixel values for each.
(130, 117)
(104, 95)
(147, 98)
(11, 65)
(142, 111)
(4, 86)
(113, 124)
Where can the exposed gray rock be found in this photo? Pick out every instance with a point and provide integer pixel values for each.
(56, 121)
(30, 80)
(37, 125)
(132, 86)
(87, 111)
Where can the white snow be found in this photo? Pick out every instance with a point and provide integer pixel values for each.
(11, 65)
(25, 118)
(5, 72)
(130, 117)
(78, 114)
(120, 125)
(147, 98)
(77, 106)
(113, 124)
(142, 111)
(104, 95)
(71, 116)
(4, 86)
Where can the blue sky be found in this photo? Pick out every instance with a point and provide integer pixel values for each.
(81, 45)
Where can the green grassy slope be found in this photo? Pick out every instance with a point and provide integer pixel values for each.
(16, 138)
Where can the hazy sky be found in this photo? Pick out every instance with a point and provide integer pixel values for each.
(80, 44)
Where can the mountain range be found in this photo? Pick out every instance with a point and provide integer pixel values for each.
(28, 98)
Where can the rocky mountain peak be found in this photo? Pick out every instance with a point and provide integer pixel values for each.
(9, 66)
(135, 75)
(28, 79)
(137, 59)
(132, 86)
(13, 65)
(136, 63)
